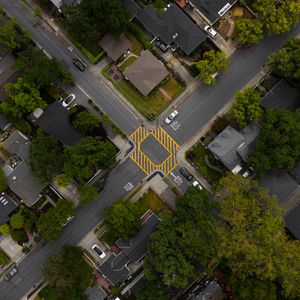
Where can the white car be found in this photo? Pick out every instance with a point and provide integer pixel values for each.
(210, 31)
(68, 100)
(197, 185)
(171, 116)
(99, 251)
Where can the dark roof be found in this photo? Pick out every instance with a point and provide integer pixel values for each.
(280, 184)
(4, 122)
(212, 292)
(213, 9)
(295, 173)
(292, 221)
(22, 183)
(17, 143)
(114, 47)
(174, 26)
(131, 6)
(146, 72)
(7, 206)
(95, 293)
(282, 95)
(115, 268)
(55, 121)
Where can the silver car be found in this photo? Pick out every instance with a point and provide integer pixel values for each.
(68, 100)
(171, 116)
(211, 32)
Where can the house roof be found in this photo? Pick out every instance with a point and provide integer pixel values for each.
(131, 6)
(17, 143)
(95, 293)
(212, 291)
(114, 47)
(23, 184)
(295, 173)
(174, 26)
(115, 268)
(213, 9)
(282, 95)
(55, 121)
(292, 221)
(146, 72)
(4, 122)
(7, 206)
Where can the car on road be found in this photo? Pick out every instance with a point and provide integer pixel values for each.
(12, 273)
(171, 116)
(68, 100)
(197, 185)
(78, 64)
(186, 174)
(68, 220)
(99, 251)
(211, 32)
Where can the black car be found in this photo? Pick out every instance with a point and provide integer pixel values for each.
(186, 174)
(77, 63)
(12, 272)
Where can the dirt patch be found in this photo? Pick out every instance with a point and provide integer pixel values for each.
(165, 93)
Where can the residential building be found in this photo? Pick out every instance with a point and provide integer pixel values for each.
(7, 206)
(212, 291)
(59, 3)
(211, 11)
(95, 293)
(232, 148)
(146, 72)
(4, 122)
(132, 8)
(116, 267)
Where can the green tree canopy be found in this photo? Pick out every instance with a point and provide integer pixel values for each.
(85, 157)
(51, 223)
(278, 145)
(38, 69)
(85, 121)
(46, 157)
(253, 240)
(8, 32)
(246, 107)
(24, 98)
(153, 290)
(68, 273)
(3, 181)
(88, 194)
(91, 17)
(4, 229)
(212, 63)
(286, 61)
(123, 219)
(17, 220)
(248, 32)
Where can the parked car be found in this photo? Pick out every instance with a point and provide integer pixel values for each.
(171, 116)
(68, 100)
(78, 64)
(186, 174)
(211, 32)
(99, 251)
(68, 220)
(12, 273)
(197, 185)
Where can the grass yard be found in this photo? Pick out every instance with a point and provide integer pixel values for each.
(173, 88)
(196, 155)
(150, 201)
(127, 63)
(136, 46)
(4, 259)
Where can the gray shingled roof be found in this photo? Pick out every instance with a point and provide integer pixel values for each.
(292, 221)
(296, 172)
(146, 72)
(95, 293)
(174, 26)
(55, 121)
(211, 8)
(114, 47)
(282, 95)
(131, 6)
(4, 122)
(7, 206)
(212, 291)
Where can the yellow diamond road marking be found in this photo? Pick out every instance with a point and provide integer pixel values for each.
(144, 162)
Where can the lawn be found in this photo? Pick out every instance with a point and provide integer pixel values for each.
(173, 88)
(136, 46)
(4, 259)
(197, 155)
(127, 63)
(151, 201)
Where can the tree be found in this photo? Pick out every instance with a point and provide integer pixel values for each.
(286, 61)
(8, 32)
(17, 220)
(63, 180)
(4, 229)
(68, 273)
(278, 145)
(46, 157)
(87, 156)
(3, 181)
(211, 64)
(51, 223)
(24, 98)
(253, 241)
(87, 194)
(38, 69)
(248, 32)
(153, 290)
(19, 236)
(246, 107)
(85, 121)
(123, 219)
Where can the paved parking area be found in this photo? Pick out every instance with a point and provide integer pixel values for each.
(11, 248)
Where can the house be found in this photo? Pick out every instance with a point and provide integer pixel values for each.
(174, 27)
(211, 11)
(212, 291)
(132, 8)
(282, 95)
(115, 268)
(19, 177)
(232, 148)
(59, 3)
(146, 72)
(95, 293)
(7, 206)
(55, 121)
(4, 122)
(114, 47)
